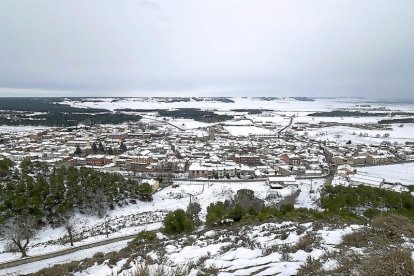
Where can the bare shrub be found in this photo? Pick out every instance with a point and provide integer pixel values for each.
(267, 250)
(286, 257)
(141, 270)
(311, 267)
(358, 238)
(180, 270)
(212, 270)
(308, 242)
(347, 260)
(393, 225)
(394, 262)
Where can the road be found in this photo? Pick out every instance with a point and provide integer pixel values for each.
(37, 258)
(162, 121)
(290, 123)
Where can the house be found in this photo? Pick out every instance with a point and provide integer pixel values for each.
(358, 160)
(98, 160)
(140, 159)
(291, 159)
(345, 170)
(377, 159)
(279, 182)
(338, 160)
(212, 170)
(251, 160)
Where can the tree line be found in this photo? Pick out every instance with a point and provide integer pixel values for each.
(61, 119)
(51, 195)
(340, 204)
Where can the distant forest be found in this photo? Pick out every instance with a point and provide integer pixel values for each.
(397, 121)
(19, 111)
(195, 114)
(42, 105)
(343, 113)
(49, 112)
(60, 119)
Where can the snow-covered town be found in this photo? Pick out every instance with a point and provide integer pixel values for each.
(281, 150)
(206, 138)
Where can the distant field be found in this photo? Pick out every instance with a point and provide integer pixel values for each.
(403, 173)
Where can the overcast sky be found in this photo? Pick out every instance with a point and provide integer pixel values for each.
(207, 48)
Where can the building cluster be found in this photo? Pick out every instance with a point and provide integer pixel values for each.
(158, 148)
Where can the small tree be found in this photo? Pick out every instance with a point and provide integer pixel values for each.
(177, 222)
(106, 225)
(71, 228)
(110, 151)
(19, 233)
(100, 203)
(193, 212)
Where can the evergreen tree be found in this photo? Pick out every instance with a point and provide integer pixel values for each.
(177, 222)
(101, 148)
(5, 167)
(145, 191)
(110, 151)
(94, 148)
(78, 151)
(123, 147)
(27, 166)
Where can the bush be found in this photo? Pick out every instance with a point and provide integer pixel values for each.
(311, 267)
(371, 213)
(394, 224)
(358, 238)
(142, 237)
(308, 242)
(177, 222)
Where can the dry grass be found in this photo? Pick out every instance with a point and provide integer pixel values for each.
(395, 262)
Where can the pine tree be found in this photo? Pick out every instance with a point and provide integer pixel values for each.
(94, 148)
(123, 147)
(101, 148)
(78, 151)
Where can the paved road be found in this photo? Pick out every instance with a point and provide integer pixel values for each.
(14, 263)
(37, 258)
(290, 123)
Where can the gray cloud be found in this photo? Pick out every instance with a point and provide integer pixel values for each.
(207, 47)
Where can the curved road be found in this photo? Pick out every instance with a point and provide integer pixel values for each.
(290, 123)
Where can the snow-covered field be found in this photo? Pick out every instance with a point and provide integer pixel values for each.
(343, 134)
(286, 104)
(402, 173)
(247, 130)
(19, 129)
